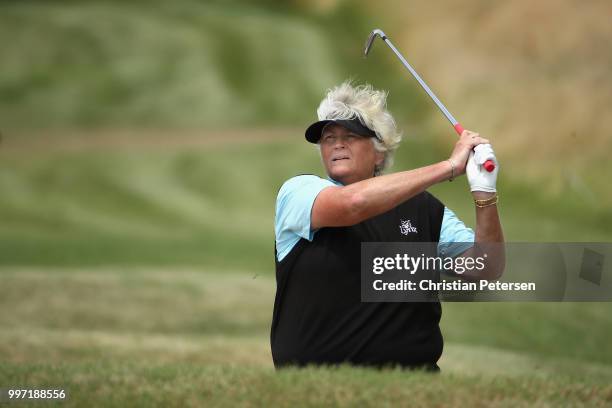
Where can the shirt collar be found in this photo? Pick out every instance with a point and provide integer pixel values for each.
(334, 181)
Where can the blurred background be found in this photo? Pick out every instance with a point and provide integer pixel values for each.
(143, 144)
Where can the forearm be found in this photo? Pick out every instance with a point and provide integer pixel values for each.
(488, 226)
(379, 194)
(489, 240)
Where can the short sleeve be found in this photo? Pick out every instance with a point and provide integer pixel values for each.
(455, 237)
(293, 208)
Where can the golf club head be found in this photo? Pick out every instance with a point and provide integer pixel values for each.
(376, 32)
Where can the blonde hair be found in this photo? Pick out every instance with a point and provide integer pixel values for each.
(369, 106)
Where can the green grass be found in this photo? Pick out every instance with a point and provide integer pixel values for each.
(138, 271)
(91, 63)
(198, 204)
(218, 64)
(180, 64)
(188, 384)
(136, 266)
(187, 337)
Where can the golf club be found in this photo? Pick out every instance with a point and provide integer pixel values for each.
(489, 165)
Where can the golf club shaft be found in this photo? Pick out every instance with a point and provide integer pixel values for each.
(489, 165)
(432, 95)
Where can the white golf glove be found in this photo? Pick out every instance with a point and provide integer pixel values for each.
(478, 177)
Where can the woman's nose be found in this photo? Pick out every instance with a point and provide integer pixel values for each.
(340, 142)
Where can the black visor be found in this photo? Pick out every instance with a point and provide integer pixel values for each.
(314, 131)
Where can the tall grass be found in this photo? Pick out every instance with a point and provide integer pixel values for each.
(185, 64)
(193, 337)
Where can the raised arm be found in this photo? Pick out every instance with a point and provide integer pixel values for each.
(356, 202)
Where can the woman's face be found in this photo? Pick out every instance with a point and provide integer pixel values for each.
(348, 157)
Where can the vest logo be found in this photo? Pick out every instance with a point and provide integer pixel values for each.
(406, 227)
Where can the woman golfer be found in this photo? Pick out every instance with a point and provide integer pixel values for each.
(320, 224)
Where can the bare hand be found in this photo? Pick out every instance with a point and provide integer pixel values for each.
(467, 141)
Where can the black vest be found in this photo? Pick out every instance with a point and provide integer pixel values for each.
(318, 315)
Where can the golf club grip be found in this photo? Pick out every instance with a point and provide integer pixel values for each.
(489, 165)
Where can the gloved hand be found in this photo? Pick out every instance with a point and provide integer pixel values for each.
(479, 178)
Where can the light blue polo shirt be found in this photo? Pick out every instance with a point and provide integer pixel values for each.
(294, 204)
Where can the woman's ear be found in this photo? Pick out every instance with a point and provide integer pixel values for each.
(380, 158)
